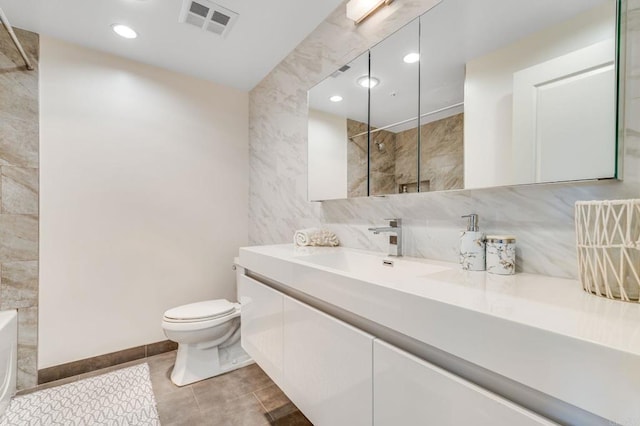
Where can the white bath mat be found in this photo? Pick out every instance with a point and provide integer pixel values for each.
(123, 397)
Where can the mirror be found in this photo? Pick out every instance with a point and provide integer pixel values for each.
(538, 84)
(502, 92)
(338, 134)
(394, 112)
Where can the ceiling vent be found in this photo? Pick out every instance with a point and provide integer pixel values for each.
(208, 16)
(340, 70)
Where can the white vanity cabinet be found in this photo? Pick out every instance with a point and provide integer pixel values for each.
(340, 375)
(410, 391)
(536, 341)
(322, 364)
(328, 367)
(261, 325)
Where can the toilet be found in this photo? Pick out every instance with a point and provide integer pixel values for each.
(208, 337)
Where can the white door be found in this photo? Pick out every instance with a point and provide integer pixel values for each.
(565, 109)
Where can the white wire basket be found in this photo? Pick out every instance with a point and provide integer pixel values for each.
(608, 240)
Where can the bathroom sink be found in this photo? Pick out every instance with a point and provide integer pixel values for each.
(372, 265)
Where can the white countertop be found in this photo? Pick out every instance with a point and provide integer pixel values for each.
(544, 332)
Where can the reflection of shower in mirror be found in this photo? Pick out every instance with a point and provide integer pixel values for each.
(378, 144)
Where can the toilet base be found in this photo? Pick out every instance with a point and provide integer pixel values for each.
(195, 362)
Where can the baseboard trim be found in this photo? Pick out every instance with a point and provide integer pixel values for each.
(87, 365)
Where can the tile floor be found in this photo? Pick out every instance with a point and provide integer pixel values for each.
(244, 397)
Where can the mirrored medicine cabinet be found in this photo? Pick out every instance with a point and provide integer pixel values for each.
(472, 94)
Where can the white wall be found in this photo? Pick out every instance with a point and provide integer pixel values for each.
(144, 197)
(488, 92)
(327, 156)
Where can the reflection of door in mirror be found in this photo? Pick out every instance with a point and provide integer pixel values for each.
(540, 102)
(394, 111)
(337, 139)
(562, 107)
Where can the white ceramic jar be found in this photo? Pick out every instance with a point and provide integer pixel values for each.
(501, 254)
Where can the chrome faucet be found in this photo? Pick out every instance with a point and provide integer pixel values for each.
(395, 239)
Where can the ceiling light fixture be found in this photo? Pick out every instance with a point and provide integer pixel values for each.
(369, 82)
(411, 58)
(124, 31)
(336, 98)
(359, 10)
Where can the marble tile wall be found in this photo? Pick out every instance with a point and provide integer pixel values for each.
(383, 163)
(442, 155)
(406, 161)
(541, 216)
(19, 196)
(356, 159)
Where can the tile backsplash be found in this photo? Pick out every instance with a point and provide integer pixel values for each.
(19, 218)
(541, 216)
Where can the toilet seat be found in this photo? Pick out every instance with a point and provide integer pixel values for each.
(202, 324)
(200, 311)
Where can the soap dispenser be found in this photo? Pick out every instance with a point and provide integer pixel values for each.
(472, 246)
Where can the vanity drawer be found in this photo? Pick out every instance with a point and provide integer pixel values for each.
(261, 325)
(327, 367)
(409, 391)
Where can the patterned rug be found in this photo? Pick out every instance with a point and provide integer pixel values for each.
(123, 397)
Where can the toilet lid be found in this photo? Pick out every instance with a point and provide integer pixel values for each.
(209, 309)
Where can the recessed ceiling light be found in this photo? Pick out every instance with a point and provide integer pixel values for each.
(124, 31)
(411, 58)
(336, 98)
(370, 82)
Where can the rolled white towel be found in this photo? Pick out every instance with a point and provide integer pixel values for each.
(302, 237)
(315, 237)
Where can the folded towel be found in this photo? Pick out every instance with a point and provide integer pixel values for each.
(315, 237)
